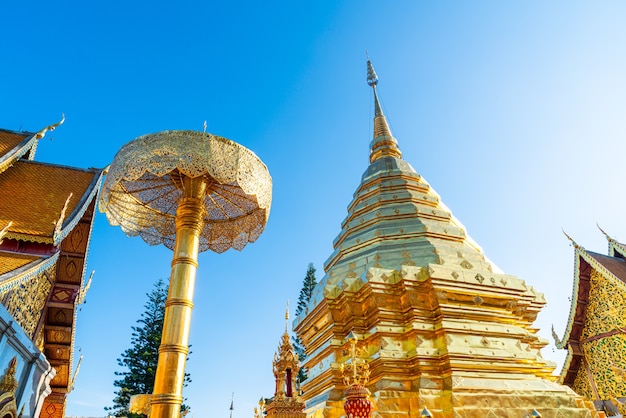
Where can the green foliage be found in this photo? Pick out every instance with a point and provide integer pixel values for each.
(140, 360)
(308, 285)
(305, 295)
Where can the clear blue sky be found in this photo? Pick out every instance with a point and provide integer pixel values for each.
(513, 111)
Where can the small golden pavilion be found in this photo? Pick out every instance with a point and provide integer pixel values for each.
(442, 328)
(46, 214)
(595, 334)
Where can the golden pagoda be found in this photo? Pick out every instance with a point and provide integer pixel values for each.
(286, 402)
(595, 334)
(444, 331)
(46, 214)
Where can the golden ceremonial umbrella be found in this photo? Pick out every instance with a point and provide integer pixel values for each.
(191, 191)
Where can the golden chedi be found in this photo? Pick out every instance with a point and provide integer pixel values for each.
(445, 332)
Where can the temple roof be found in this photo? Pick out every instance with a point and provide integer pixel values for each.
(9, 140)
(616, 265)
(46, 214)
(612, 268)
(42, 190)
(12, 261)
(15, 145)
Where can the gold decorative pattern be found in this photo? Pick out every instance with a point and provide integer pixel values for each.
(603, 341)
(286, 365)
(144, 185)
(580, 252)
(26, 301)
(471, 354)
(356, 371)
(8, 383)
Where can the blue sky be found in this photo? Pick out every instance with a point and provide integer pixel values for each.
(513, 111)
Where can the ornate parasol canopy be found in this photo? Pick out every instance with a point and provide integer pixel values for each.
(144, 185)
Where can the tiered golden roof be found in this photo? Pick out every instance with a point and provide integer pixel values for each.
(46, 213)
(10, 262)
(42, 190)
(443, 327)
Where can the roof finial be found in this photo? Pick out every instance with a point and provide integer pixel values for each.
(50, 128)
(608, 237)
(571, 239)
(4, 230)
(383, 144)
(372, 77)
(287, 317)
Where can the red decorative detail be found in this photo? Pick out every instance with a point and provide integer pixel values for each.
(289, 389)
(64, 295)
(32, 248)
(357, 403)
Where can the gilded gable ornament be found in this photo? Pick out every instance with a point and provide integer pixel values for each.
(8, 383)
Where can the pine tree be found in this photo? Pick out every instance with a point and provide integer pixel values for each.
(140, 360)
(303, 300)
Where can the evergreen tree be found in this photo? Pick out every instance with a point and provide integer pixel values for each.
(303, 300)
(140, 360)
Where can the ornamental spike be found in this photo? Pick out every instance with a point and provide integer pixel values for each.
(383, 144)
(372, 77)
(608, 237)
(50, 128)
(574, 244)
(59, 223)
(287, 317)
(4, 230)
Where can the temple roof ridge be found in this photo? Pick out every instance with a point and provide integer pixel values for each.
(616, 248)
(14, 145)
(27, 271)
(84, 184)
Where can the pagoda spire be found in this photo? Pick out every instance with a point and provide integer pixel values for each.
(383, 144)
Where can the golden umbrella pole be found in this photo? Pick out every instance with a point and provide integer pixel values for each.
(170, 376)
(192, 192)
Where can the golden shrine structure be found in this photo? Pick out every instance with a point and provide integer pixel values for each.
(595, 334)
(444, 331)
(46, 214)
(286, 402)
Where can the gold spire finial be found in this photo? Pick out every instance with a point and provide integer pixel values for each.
(287, 317)
(383, 144)
(372, 77)
(574, 244)
(608, 237)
